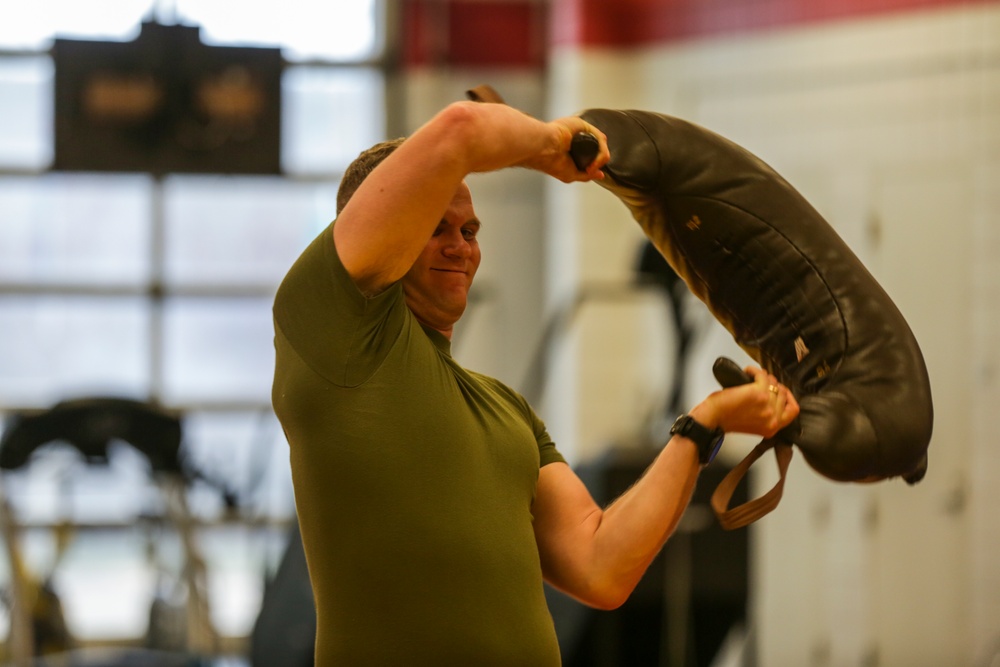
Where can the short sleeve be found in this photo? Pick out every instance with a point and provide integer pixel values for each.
(339, 333)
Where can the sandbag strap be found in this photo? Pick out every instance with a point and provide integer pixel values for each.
(750, 511)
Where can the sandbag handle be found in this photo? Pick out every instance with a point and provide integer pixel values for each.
(583, 149)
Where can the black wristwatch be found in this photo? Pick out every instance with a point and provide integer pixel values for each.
(709, 441)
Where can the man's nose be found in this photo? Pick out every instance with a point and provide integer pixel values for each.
(457, 245)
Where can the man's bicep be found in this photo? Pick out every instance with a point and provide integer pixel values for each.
(565, 520)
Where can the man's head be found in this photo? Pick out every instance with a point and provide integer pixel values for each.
(437, 285)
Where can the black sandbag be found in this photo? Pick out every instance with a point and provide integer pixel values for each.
(785, 285)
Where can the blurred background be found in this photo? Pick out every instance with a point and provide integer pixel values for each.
(162, 163)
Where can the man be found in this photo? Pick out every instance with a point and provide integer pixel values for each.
(431, 500)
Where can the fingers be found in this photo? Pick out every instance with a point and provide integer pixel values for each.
(775, 399)
(791, 404)
(593, 170)
(762, 407)
(781, 406)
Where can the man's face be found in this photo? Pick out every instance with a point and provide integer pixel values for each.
(437, 285)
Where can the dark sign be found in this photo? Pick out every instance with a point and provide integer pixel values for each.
(166, 103)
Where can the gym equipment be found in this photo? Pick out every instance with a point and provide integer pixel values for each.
(90, 425)
(789, 290)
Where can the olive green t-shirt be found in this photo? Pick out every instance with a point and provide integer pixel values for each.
(414, 480)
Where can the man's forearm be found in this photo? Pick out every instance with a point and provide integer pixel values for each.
(634, 528)
(390, 217)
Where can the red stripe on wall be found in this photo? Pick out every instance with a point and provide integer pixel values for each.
(625, 23)
(505, 33)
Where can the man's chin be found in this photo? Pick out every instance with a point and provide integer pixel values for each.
(442, 315)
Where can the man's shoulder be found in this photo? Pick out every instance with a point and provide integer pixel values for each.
(502, 388)
(335, 329)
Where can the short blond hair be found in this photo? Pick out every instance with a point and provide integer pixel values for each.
(363, 165)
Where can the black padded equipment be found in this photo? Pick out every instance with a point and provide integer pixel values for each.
(785, 285)
(89, 425)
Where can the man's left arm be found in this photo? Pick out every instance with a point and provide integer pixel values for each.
(599, 555)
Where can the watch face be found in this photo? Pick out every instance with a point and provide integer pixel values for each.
(685, 426)
(708, 441)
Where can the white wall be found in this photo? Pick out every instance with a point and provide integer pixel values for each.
(891, 127)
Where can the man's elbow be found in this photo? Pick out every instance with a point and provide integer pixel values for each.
(462, 122)
(609, 595)
(602, 588)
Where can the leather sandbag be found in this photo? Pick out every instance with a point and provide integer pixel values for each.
(785, 285)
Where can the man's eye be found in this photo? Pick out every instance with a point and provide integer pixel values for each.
(469, 234)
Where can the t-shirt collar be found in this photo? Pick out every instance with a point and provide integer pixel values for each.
(440, 341)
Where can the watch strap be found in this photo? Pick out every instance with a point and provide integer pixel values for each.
(707, 440)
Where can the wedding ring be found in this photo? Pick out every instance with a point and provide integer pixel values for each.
(772, 389)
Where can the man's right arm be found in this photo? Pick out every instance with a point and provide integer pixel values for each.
(393, 213)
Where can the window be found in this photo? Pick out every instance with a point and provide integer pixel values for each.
(344, 31)
(128, 285)
(308, 30)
